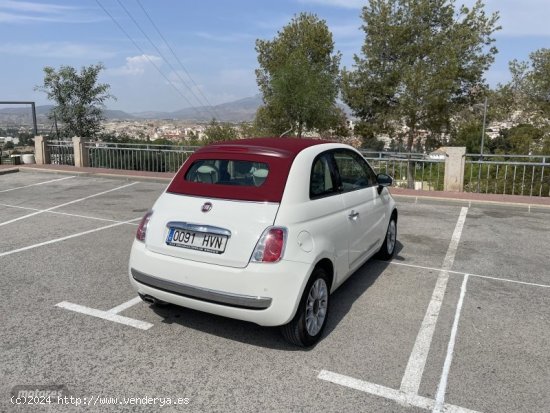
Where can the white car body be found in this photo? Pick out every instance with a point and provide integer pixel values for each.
(339, 232)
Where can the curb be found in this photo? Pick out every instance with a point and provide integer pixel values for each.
(8, 171)
(122, 176)
(430, 200)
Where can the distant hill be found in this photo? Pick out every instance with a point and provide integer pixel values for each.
(236, 111)
(118, 114)
(25, 110)
(23, 113)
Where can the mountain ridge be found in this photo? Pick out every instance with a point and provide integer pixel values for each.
(240, 110)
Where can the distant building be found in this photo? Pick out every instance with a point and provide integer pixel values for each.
(438, 154)
(4, 139)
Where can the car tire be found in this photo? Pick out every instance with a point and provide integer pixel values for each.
(310, 319)
(387, 250)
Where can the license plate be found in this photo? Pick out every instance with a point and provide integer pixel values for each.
(199, 241)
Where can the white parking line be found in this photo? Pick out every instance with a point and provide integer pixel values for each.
(39, 183)
(417, 360)
(403, 398)
(441, 389)
(65, 213)
(3, 254)
(422, 267)
(107, 315)
(65, 204)
(124, 306)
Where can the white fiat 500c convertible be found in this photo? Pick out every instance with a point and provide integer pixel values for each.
(264, 230)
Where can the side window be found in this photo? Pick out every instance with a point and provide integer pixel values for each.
(354, 171)
(321, 183)
(373, 180)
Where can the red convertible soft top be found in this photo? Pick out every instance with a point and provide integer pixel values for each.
(277, 153)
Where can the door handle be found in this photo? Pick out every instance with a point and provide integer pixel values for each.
(353, 215)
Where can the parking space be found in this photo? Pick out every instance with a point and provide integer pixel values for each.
(458, 321)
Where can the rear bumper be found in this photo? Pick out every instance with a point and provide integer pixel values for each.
(204, 294)
(265, 294)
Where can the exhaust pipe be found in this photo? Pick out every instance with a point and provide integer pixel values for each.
(148, 298)
(152, 300)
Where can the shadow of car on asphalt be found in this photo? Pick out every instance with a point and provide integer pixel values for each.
(341, 303)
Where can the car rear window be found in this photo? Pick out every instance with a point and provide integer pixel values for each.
(234, 176)
(228, 172)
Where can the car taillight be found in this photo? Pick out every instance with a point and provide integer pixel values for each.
(142, 228)
(271, 246)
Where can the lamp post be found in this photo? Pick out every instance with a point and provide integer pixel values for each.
(483, 126)
(482, 143)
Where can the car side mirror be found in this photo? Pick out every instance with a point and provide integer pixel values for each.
(383, 181)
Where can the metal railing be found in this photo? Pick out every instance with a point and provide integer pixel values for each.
(137, 157)
(507, 174)
(428, 173)
(495, 174)
(61, 152)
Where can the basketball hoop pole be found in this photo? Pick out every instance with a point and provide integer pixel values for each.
(35, 127)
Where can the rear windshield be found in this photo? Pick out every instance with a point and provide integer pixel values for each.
(246, 177)
(228, 172)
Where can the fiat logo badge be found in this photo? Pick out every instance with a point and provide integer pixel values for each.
(206, 207)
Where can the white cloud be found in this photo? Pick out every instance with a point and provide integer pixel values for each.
(62, 50)
(22, 18)
(135, 65)
(34, 7)
(28, 12)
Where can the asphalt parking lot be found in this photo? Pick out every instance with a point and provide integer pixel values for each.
(459, 321)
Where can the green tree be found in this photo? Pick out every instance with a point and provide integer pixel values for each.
(193, 138)
(526, 97)
(9, 145)
(468, 134)
(79, 98)
(252, 130)
(421, 61)
(525, 101)
(26, 139)
(540, 80)
(337, 128)
(299, 78)
(524, 139)
(368, 136)
(219, 132)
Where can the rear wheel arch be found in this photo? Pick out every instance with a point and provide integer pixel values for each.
(394, 214)
(328, 266)
(306, 327)
(387, 249)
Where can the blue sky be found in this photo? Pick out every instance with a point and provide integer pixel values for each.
(213, 39)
